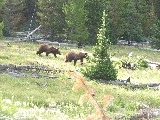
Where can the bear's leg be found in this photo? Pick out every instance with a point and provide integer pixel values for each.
(81, 61)
(75, 62)
(55, 55)
(47, 53)
(67, 60)
(70, 60)
(39, 53)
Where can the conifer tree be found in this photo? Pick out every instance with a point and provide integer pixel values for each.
(94, 9)
(51, 16)
(1, 3)
(102, 67)
(1, 27)
(156, 35)
(1, 19)
(14, 17)
(76, 17)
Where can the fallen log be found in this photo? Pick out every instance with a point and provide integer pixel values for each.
(56, 43)
(31, 39)
(128, 84)
(24, 75)
(152, 64)
(33, 31)
(155, 50)
(31, 68)
(148, 114)
(148, 61)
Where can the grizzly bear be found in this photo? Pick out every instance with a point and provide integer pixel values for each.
(48, 50)
(75, 56)
(54, 51)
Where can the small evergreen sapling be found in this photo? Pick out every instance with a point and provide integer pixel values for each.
(102, 67)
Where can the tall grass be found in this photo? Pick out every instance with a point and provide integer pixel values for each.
(58, 94)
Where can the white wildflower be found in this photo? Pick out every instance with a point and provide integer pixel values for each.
(89, 54)
(41, 110)
(17, 103)
(24, 104)
(4, 108)
(7, 101)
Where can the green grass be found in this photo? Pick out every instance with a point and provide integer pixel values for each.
(59, 94)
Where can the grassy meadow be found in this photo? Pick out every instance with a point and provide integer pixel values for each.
(21, 98)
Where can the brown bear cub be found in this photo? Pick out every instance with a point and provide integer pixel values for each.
(48, 50)
(42, 48)
(75, 56)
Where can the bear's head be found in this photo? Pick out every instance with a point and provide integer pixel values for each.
(58, 51)
(54, 50)
(83, 54)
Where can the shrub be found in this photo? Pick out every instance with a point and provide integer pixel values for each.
(142, 63)
(133, 62)
(103, 69)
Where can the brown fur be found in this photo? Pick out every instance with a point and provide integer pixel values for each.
(75, 56)
(48, 50)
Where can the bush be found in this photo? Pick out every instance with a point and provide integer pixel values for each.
(142, 63)
(103, 69)
(134, 62)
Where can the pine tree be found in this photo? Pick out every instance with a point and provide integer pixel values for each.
(156, 35)
(1, 3)
(1, 19)
(102, 67)
(51, 16)
(75, 16)
(14, 18)
(1, 28)
(128, 18)
(94, 9)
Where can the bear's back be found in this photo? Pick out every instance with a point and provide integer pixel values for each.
(44, 47)
(71, 55)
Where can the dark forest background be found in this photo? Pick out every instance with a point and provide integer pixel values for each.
(79, 20)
